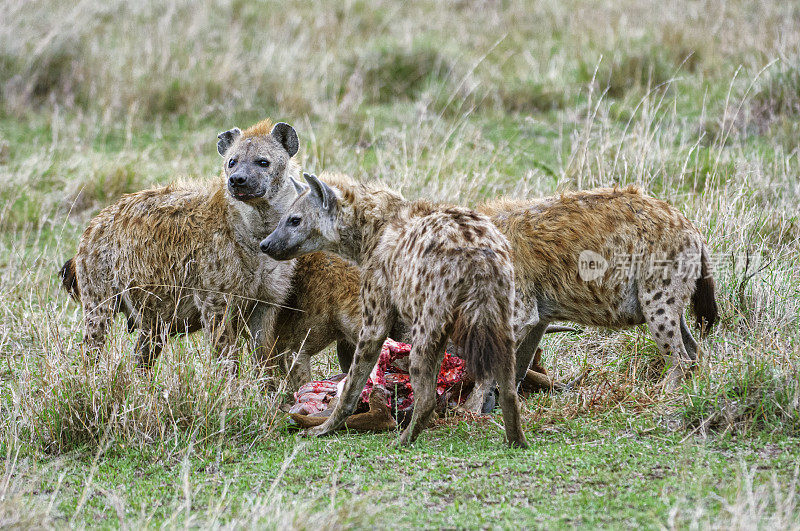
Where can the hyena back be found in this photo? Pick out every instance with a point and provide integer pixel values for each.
(655, 262)
(321, 308)
(442, 271)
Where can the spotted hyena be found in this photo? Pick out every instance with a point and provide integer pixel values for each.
(612, 258)
(323, 307)
(186, 257)
(443, 271)
(548, 237)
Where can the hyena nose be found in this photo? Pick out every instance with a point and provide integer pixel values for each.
(237, 179)
(264, 246)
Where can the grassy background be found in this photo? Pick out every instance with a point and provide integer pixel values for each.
(459, 101)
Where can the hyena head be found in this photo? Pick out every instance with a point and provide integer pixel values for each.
(308, 225)
(256, 162)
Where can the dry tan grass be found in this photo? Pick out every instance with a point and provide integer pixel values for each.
(454, 101)
(771, 505)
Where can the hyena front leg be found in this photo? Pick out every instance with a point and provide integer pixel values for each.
(298, 367)
(262, 332)
(378, 321)
(425, 359)
(344, 353)
(98, 314)
(526, 349)
(222, 325)
(149, 345)
(528, 330)
(481, 398)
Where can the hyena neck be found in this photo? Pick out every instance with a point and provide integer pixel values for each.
(364, 214)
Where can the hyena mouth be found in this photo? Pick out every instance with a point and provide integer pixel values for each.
(246, 195)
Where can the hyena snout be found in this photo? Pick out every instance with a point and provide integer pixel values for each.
(237, 179)
(287, 241)
(275, 248)
(265, 246)
(245, 184)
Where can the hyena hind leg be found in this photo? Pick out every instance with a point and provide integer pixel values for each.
(481, 400)
(425, 359)
(688, 340)
(509, 401)
(663, 320)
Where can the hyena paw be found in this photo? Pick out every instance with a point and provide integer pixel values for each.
(317, 431)
(674, 380)
(406, 439)
(397, 444)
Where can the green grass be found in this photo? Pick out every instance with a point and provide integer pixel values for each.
(617, 473)
(455, 102)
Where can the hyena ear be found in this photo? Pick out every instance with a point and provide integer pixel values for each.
(227, 139)
(298, 186)
(286, 136)
(322, 192)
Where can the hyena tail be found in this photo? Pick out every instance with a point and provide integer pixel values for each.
(703, 302)
(69, 281)
(483, 333)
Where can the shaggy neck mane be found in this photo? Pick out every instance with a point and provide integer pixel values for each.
(364, 212)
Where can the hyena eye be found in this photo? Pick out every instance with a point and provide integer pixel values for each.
(263, 163)
(293, 221)
(232, 163)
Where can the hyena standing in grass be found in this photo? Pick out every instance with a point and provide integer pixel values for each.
(185, 257)
(443, 271)
(323, 307)
(548, 280)
(649, 261)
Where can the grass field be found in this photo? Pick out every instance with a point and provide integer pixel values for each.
(697, 102)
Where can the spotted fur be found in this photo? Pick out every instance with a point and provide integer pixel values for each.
(325, 289)
(185, 257)
(441, 270)
(322, 307)
(548, 237)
